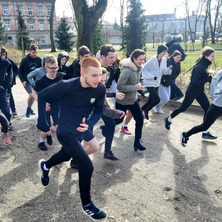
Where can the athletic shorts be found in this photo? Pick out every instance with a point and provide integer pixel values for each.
(28, 88)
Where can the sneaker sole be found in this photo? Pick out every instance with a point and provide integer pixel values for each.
(182, 144)
(126, 133)
(110, 159)
(91, 217)
(41, 172)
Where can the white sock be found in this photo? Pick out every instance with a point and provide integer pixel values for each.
(206, 131)
(125, 125)
(45, 168)
(41, 140)
(170, 119)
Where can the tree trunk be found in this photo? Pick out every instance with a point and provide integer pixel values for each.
(51, 21)
(87, 19)
(205, 32)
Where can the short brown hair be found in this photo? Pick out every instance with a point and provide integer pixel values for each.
(105, 49)
(50, 59)
(136, 53)
(33, 47)
(83, 50)
(89, 61)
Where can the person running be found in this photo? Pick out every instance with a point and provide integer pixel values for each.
(4, 55)
(108, 116)
(152, 72)
(63, 59)
(74, 68)
(6, 78)
(128, 83)
(4, 128)
(48, 79)
(195, 90)
(172, 46)
(166, 80)
(78, 97)
(212, 113)
(27, 65)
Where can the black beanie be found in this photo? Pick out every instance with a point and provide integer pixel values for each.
(160, 49)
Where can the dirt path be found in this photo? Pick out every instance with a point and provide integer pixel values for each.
(166, 183)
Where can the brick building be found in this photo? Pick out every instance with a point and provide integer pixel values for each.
(36, 14)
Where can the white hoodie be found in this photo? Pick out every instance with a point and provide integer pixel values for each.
(216, 89)
(151, 69)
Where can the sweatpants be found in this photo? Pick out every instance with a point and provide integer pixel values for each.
(108, 131)
(210, 117)
(137, 115)
(189, 98)
(164, 94)
(175, 90)
(153, 99)
(72, 148)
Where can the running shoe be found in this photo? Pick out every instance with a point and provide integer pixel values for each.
(42, 146)
(32, 112)
(14, 113)
(139, 146)
(160, 111)
(49, 139)
(125, 130)
(155, 109)
(44, 173)
(28, 112)
(184, 139)
(92, 211)
(6, 139)
(167, 123)
(208, 136)
(110, 156)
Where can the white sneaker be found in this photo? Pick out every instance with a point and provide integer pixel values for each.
(155, 109)
(160, 111)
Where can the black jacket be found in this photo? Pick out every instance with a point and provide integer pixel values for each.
(27, 65)
(112, 75)
(200, 76)
(73, 70)
(6, 74)
(173, 46)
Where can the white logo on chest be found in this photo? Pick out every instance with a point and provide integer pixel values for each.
(92, 100)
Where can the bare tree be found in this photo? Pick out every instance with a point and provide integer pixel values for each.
(51, 24)
(205, 28)
(87, 18)
(213, 24)
(193, 19)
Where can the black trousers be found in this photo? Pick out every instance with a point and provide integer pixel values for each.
(4, 103)
(153, 99)
(72, 148)
(108, 131)
(137, 115)
(210, 117)
(189, 98)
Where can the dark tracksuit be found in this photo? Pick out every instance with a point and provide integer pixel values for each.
(195, 90)
(5, 83)
(76, 103)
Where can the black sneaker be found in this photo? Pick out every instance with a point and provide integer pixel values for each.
(167, 123)
(42, 146)
(208, 136)
(10, 127)
(49, 139)
(28, 112)
(14, 113)
(110, 156)
(92, 211)
(146, 115)
(184, 139)
(44, 173)
(138, 146)
(32, 112)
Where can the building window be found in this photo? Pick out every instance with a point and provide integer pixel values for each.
(31, 26)
(49, 12)
(42, 40)
(40, 13)
(32, 38)
(41, 26)
(5, 10)
(29, 11)
(7, 25)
